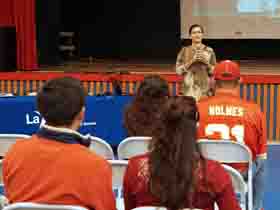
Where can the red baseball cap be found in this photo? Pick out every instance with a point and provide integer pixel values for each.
(226, 70)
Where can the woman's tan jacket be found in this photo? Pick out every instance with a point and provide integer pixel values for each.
(196, 72)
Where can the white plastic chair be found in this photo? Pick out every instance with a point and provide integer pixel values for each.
(227, 151)
(7, 140)
(101, 147)
(36, 206)
(157, 208)
(118, 171)
(132, 146)
(239, 185)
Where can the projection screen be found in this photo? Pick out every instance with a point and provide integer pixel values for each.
(232, 19)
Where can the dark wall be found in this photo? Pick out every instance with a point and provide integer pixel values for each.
(99, 34)
(244, 49)
(69, 15)
(151, 29)
(123, 29)
(48, 17)
(129, 29)
(51, 18)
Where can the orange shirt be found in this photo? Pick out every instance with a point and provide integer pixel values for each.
(45, 171)
(226, 116)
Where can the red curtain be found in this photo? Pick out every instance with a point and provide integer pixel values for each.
(21, 14)
(6, 13)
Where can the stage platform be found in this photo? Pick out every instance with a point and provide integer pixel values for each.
(260, 81)
(138, 66)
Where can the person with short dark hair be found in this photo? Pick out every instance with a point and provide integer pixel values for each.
(174, 174)
(196, 63)
(60, 100)
(142, 115)
(226, 116)
(56, 166)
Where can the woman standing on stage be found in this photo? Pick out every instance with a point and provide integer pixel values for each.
(196, 63)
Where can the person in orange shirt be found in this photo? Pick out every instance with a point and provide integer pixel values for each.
(55, 165)
(226, 116)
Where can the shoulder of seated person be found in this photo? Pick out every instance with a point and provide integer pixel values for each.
(92, 159)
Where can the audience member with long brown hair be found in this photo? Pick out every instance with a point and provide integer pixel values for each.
(142, 114)
(174, 174)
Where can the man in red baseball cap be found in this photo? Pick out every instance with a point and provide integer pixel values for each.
(227, 70)
(226, 116)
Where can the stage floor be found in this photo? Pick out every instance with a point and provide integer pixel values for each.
(249, 67)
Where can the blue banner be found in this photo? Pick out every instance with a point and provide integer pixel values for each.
(103, 118)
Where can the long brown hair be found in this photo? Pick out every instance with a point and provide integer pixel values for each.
(143, 113)
(174, 154)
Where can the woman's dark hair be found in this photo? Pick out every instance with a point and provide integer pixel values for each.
(142, 114)
(174, 154)
(195, 26)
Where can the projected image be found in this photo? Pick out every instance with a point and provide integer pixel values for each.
(269, 7)
(240, 7)
(238, 19)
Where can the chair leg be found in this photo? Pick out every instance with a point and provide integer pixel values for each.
(119, 199)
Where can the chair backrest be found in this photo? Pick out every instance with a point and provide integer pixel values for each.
(157, 208)
(132, 146)
(238, 182)
(7, 140)
(35, 206)
(227, 151)
(118, 170)
(239, 185)
(101, 147)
